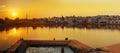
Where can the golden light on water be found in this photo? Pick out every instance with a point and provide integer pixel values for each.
(14, 30)
(14, 33)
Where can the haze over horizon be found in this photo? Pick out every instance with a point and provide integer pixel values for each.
(49, 8)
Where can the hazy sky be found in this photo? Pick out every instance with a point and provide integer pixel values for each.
(46, 8)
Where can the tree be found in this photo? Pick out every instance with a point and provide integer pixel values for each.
(2, 21)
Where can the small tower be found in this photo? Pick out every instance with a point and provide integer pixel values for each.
(26, 15)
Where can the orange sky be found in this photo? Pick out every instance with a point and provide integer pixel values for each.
(49, 8)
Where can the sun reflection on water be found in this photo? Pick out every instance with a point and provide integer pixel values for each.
(14, 32)
(14, 29)
(8, 38)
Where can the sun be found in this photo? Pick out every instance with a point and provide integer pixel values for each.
(14, 14)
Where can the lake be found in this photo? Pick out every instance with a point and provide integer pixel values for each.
(93, 36)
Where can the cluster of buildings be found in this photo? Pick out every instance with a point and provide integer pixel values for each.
(100, 19)
(104, 19)
(71, 20)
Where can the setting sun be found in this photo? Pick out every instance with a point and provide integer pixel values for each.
(14, 14)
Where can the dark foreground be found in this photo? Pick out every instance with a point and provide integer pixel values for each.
(21, 46)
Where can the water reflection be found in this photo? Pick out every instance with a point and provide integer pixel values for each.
(9, 37)
(109, 27)
(91, 35)
(14, 29)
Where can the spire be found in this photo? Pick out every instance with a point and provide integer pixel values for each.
(26, 15)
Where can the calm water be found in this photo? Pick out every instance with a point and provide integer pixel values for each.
(93, 37)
